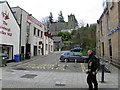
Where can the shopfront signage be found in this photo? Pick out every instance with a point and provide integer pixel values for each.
(113, 30)
(35, 21)
(4, 26)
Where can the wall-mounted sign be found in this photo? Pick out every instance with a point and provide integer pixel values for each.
(35, 21)
(4, 27)
(113, 30)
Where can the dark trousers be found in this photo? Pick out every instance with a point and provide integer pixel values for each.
(91, 79)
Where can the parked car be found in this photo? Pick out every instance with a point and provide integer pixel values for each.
(3, 59)
(3, 55)
(72, 56)
(76, 49)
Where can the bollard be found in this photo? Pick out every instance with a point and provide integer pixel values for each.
(57, 61)
(75, 61)
(103, 70)
(65, 63)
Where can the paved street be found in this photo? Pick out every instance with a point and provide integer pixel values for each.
(47, 72)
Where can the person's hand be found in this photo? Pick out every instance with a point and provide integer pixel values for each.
(93, 73)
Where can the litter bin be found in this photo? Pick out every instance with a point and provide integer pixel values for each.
(3, 59)
(17, 57)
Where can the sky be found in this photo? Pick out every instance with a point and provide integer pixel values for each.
(89, 11)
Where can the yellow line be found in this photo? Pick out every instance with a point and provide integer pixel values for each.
(82, 67)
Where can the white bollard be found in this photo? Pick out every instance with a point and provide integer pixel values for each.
(65, 63)
(75, 63)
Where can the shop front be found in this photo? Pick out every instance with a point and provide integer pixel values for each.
(8, 50)
(9, 32)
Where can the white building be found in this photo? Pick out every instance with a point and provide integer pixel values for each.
(33, 40)
(9, 31)
(48, 42)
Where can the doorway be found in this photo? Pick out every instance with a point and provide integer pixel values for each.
(35, 50)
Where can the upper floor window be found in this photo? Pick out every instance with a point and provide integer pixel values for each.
(101, 26)
(34, 30)
(38, 33)
(111, 4)
(41, 34)
(108, 21)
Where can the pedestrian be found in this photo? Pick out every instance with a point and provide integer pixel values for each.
(93, 65)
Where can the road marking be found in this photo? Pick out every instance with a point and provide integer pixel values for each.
(46, 66)
(83, 67)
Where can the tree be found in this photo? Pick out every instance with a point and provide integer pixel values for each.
(65, 36)
(81, 23)
(45, 21)
(85, 36)
(51, 17)
(60, 17)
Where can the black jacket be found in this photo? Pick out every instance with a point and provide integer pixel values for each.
(93, 63)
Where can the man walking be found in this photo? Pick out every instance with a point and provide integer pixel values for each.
(92, 71)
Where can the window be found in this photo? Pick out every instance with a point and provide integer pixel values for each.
(101, 26)
(51, 47)
(103, 48)
(41, 34)
(108, 21)
(34, 30)
(110, 48)
(28, 27)
(111, 4)
(46, 46)
(38, 33)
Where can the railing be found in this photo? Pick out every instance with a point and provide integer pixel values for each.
(110, 60)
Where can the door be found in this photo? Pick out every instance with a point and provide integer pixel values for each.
(35, 50)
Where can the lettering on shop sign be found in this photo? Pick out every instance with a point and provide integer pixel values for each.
(4, 29)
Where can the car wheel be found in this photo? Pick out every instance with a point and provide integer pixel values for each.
(66, 59)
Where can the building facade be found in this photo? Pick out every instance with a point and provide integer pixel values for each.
(9, 32)
(72, 22)
(56, 27)
(33, 40)
(108, 32)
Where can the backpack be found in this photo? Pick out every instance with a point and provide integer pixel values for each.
(97, 62)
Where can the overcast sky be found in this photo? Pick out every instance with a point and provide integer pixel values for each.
(87, 10)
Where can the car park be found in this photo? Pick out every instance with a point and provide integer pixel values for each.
(72, 56)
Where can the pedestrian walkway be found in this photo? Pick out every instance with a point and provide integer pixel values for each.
(12, 78)
(49, 79)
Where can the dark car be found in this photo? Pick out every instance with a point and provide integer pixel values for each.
(3, 55)
(76, 49)
(72, 56)
(3, 59)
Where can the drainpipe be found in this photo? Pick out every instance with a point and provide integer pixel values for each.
(20, 34)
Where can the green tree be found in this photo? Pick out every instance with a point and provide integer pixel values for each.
(60, 17)
(51, 17)
(85, 36)
(66, 36)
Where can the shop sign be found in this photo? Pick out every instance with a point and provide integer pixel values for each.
(113, 31)
(35, 21)
(4, 28)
